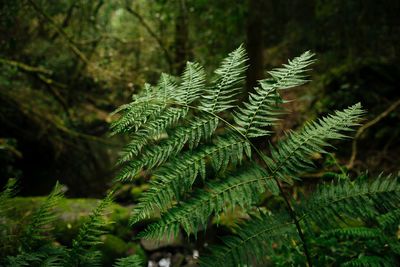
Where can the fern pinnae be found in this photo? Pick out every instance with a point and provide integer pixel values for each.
(253, 235)
(42, 218)
(178, 175)
(198, 206)
(10, 190)
(349, 199)
(231, 73)
(290, 158)
(261, 108)
(89, 235)
(193, 82)
(130, 261)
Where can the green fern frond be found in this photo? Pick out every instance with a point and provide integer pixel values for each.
(178, 174)
(254, 238)
(154, 155)
(332, 203)
(231, 73)
(261, 109)
(131, 261)
(10, 190)
(291, 157)
(89, 235)
(42, 219)
(135, 115)
(390, 219)
(242, 188)
(193, 82)
(370, 261)
(355, 232)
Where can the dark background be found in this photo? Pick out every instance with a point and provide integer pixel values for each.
(66, 64)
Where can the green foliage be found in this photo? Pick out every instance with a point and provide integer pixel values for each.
(35, 248)
(132, 261)
(203, 165)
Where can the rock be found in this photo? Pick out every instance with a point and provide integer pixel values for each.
(151, 245)
(177, 259)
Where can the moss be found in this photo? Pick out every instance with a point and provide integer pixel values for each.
(137, 191)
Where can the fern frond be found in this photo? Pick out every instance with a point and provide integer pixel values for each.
(42, 219)
(261, 109)
(136, 114)
(154, 155)
(240, 189)
(10, 190)
(370, 261)
(89, 235)
(355, 232)
(390, 219)
(193, 82)
(330, 204)
(179, 173)
(291, 157)
(253, 239)
(131, 261)
(231, 73)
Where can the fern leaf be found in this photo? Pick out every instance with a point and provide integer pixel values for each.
(331, 203)
(355, 232)
(253, 239)
(42, 219)
(261, 109)
(179, 173)
(291, 157)
(219, 97)
(370, 261)
(154, 155)
(10, 190)
(390, 219)
(240, 189)
(131, 261)
(193, 82)
(89, 235)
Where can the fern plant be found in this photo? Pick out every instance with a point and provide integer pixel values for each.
(203, 161)
(34, 246)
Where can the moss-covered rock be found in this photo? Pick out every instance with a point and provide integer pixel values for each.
(137, 191)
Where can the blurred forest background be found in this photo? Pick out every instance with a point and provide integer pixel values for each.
(66, 64)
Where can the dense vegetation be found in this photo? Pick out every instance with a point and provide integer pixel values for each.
(65, 65)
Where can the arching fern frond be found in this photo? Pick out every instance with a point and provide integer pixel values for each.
(220, 96)
(291, 157)
(10, 190)
(82, 252)
(242, 188)
(178, 174)
(254, 238)
(330, 204)
(261, 109)
(193, 83)
(42, 219)
(370, 261)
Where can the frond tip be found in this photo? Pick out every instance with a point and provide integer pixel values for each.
(260, 111)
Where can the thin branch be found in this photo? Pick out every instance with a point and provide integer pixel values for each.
(40, 74)
(392, 107)
(71, 43)
(153, 34)
(25, 67)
